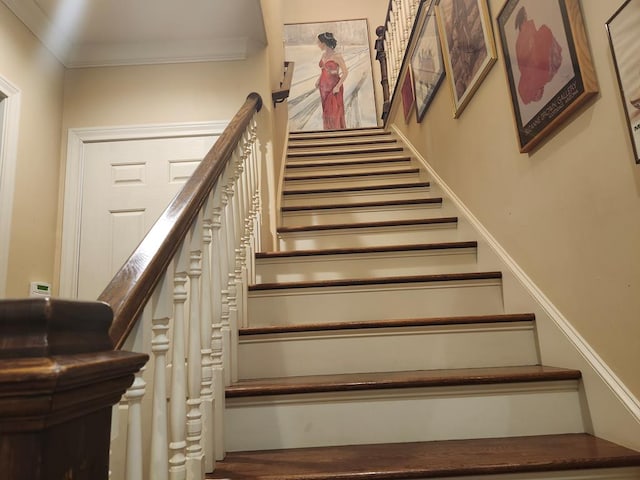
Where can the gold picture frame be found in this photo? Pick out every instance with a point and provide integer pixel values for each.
(548, 65)
(468, 47)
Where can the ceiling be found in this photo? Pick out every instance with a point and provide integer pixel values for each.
(83, 33)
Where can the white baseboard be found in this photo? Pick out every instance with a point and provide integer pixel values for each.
(617, 387)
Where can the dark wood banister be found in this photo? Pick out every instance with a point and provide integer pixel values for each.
(280, 95)
(132, 286)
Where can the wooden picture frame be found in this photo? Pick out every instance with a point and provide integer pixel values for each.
(427, 64)
(468, 47)
(406, 92)
(622, 29)
(548, 65)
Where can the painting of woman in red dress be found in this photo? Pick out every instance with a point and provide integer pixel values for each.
(330, 83)
(539, 57)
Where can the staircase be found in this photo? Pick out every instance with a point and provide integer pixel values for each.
(377, 348)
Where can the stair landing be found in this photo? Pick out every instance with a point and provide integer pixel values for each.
(548, 453)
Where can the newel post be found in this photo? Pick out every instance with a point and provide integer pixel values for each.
(59, 377)
(381, 56)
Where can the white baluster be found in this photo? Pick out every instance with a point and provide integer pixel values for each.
(225, 258)
(195, 456)
(206, 387)
(178, 403)
(218, 259)
(161, 304)
(133, 468)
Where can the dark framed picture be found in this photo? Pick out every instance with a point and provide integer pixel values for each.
(427, 64)
(623, 38)
(548, 64)
(468, 47)
(407, 95)
(343, 58)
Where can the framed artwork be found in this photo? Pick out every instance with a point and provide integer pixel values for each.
(468, 47)
(312, 104)
(407, 95)
(548, 64)
(623, 38)
(427, 64)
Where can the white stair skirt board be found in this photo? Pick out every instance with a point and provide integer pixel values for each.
(403, 415)
(371, 237)
(365, 265)
(388, 349)
(355, 182)
(374, 302)
(366, 214)
(405, 193)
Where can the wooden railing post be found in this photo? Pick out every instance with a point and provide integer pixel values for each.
(381, 56)
(59, 378)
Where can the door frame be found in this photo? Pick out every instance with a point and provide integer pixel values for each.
(9, 134)
(73, 194)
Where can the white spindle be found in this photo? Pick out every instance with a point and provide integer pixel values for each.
(195, 455)
(161, 305)
(206, 322)
(178, 404)
(218, 261)
(133, 468)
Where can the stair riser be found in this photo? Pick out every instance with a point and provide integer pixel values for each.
(342, 168)
(313, 155)
(408, 415)
(354, 182)
(357, 197)
(368, 303)
(370, 237)
(373, 132)
(588, 474)
(333, 267)
(386, 350)
(364, 214)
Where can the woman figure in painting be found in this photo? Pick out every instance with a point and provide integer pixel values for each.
(539, 57)
(333, 73)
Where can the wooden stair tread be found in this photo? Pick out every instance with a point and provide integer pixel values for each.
(352, 162)
(392, 380)
(334, 142)
(351, 282)
(367, 250)
(345, 151)
(361, 225)
(396, 323)
(386, 203)
(333, 176)
(451, 458)
(367, 188)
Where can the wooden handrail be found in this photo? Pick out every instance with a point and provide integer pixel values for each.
(282, 93)
(132, 286)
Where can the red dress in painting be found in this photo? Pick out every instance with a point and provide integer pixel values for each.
(539, 58)
(332, 103)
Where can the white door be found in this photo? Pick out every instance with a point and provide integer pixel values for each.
(126, 185)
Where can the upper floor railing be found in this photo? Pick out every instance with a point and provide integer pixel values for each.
(394, 39)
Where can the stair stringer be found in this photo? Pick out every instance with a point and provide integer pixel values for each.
(614, 412)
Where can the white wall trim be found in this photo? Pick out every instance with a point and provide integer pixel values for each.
(10, 124)
(72, 206)
(624, 395)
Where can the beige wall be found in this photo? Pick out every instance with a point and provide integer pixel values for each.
(39, 76)
(568, 212)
